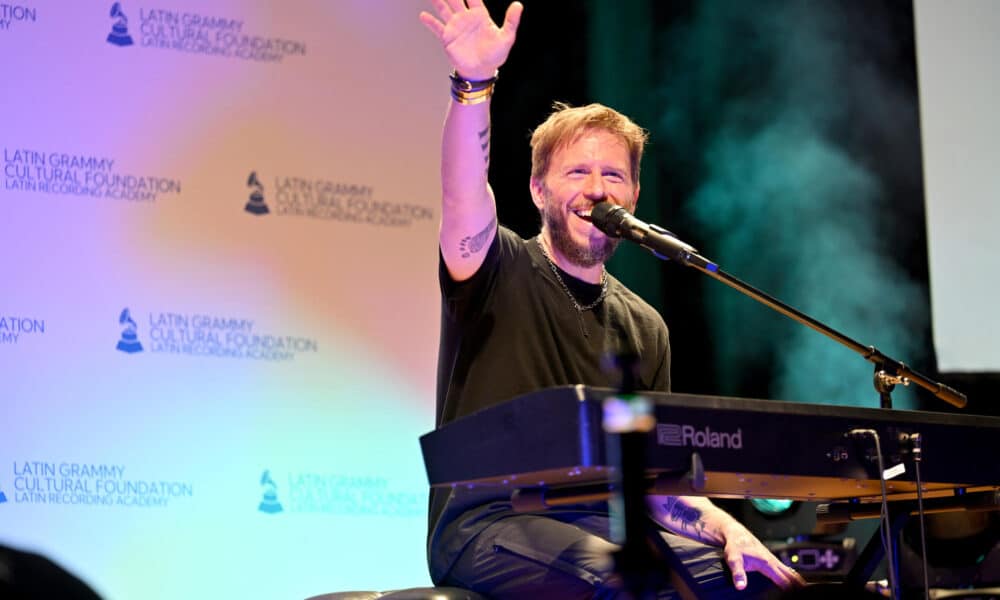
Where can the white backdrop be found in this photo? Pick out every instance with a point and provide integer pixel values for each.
(957, 48)
(218, 308)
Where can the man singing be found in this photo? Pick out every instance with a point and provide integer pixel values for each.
(522, 315)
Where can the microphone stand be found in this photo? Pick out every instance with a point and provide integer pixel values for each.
(888, 371)
(616, 222)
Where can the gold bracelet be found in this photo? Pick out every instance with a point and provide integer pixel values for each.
(477, 97)
(466, 91)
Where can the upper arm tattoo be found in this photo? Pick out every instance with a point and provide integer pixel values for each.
(472, 244)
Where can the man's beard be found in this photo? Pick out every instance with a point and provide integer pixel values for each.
(582, 255)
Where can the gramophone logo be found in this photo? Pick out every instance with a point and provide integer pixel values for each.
(255, 205)
(3, 497)
(269, 501)
(129, 341)
(119, 31)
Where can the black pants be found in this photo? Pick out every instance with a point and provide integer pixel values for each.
(529, 556)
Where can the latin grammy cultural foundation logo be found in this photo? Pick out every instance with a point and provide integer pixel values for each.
(203, 335)
(119, 35)
(194, 33)
(323, 199)
(340, 494)
(80, 174)
(256, 205)
(269, 502)
(129, 342)
(51, 482)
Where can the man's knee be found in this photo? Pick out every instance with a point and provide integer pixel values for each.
(537, 556)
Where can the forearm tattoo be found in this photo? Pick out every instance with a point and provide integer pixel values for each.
(472, 244)
(484, 143)
(688, 518)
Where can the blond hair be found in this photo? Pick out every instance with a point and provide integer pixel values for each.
(567, 123)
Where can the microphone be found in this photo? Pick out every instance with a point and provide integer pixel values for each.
(617, 222)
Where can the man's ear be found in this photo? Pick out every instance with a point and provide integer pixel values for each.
(537, 196)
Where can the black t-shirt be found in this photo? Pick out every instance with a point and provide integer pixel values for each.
(511, 329)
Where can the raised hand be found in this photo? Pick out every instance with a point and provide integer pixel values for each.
(474, 44)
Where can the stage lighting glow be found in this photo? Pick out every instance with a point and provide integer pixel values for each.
(771, 506)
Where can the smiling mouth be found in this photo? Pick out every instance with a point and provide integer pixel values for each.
(583, 213)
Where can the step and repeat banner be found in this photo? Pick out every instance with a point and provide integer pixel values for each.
(218, 294)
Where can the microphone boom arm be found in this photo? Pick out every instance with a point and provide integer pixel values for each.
(617, 222)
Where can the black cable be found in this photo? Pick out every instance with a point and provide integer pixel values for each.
(917, 458)
(886, 528)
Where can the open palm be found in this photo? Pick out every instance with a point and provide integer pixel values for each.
(474, 44)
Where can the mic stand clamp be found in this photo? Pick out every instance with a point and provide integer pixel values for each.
(885, 382)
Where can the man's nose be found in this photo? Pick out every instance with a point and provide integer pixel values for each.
(594, 187)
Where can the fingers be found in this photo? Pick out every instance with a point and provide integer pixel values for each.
(511, 19)
(474, 44)
(444, 10)
(455, 5)
(778, 572)
(735, 562)
(436, 27)
(795, 578)
(781, 574)
(781, 577)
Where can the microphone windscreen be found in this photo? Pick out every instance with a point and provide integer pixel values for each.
(602, 216)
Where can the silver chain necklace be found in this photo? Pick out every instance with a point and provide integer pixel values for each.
(572, 298)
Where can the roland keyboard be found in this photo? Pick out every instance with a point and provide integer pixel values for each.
(554, 439)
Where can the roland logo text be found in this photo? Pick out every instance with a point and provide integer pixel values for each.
(670, 434)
